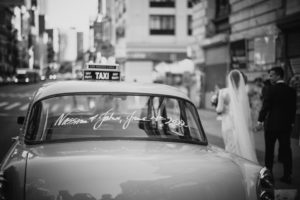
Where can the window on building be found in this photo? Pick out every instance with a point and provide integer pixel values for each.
(222, 16)
(238, 53)
(162, 25)
(32, 18)
(189, 3)
(189, 25)
(34, 3)
(162, 3)
(222, 8)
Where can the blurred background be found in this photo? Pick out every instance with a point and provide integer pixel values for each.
(189, 44)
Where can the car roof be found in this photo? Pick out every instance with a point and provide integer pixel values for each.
(79, 86)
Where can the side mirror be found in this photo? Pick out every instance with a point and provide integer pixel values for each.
(14, 139)
(21, 120)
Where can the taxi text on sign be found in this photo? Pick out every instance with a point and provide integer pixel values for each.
(101, 75)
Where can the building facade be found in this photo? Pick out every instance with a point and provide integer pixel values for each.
(10, 39)
(8, 44)
(211, 31)
(22, 36)
(148, 32)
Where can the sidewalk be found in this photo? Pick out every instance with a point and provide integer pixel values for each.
(212, 128)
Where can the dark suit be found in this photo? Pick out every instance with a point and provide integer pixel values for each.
(278, 114)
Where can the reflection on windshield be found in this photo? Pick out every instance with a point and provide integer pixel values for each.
(113, 116)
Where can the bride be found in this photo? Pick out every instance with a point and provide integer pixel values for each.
(233, 106)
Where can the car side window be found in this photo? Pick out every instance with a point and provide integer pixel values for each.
(34, 124)
(194, 126)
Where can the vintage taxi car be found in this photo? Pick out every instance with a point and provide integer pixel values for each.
(93, 140)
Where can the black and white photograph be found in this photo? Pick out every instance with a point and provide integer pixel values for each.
(149, 99)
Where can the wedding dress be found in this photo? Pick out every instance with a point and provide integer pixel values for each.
(233, 105)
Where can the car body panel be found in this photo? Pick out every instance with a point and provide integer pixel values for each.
(14, 168)
(67, 87)
(134, 170)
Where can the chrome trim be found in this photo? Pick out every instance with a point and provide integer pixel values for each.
(265, 185)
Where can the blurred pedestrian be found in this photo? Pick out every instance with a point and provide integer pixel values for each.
(234, 108)
(214, 97)
(277, 116)
(266, 85)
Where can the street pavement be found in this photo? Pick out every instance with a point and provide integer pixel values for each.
(212, 128)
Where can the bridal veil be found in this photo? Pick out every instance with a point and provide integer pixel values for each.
(241, 116)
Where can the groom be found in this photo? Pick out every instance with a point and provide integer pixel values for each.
(277, 115)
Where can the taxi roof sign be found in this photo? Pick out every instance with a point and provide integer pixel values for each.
(103, 72)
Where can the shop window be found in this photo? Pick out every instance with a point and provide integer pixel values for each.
(162, 25)
(264, 51)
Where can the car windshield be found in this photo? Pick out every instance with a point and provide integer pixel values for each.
(114, 116)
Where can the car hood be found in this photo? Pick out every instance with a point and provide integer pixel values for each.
(136, 170)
